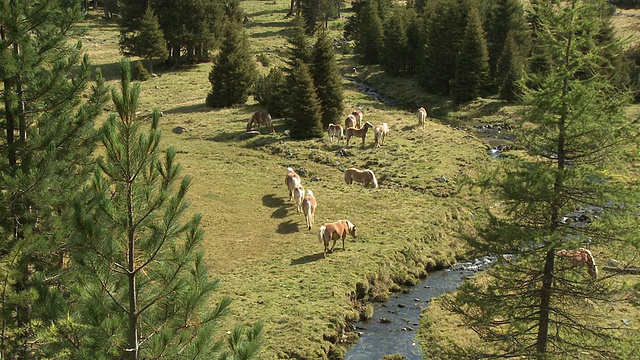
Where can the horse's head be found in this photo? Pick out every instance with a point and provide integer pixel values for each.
(367, 125)
(352, 229)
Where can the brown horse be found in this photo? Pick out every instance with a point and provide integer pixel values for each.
(581, 257)
(422, 117)
(359, 115)
(292, 180)
(335, 131)
(367, 177)
(361, 133)
(351, 121)
(261, 118)
(309, 209)
(381, 131)
(334, 231)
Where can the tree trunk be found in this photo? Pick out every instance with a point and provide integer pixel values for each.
(545, 301)
(133, 346)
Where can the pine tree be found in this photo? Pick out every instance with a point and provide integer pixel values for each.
(327, 80)
(577, 146)
(510, 69)
(234, 70)
(143, 285)
(271, 92)
(305, 113)
(149, 42)
(472, 62)
(48, 141)
(395, 50)
(299, 51)
(369, 35)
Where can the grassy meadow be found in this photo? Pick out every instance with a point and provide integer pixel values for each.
(257, 244)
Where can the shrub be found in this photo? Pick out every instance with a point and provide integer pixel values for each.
(138, 71)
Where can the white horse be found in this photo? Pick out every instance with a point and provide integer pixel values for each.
(292, 180)
(422, 117)
(309, 209)
(298, 196)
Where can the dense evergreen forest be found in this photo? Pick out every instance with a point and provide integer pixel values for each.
(99, 258)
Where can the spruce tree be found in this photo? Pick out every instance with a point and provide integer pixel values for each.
(143, 288)
(395, 50)
(472, 62)
(47, 114)
(577, 145)
(327, 80)
(510, 69)
(369, 35)
(149, 42)
(305, 113)
(234, 70)
(270, 91)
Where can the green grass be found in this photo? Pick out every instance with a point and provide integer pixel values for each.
(257, 244)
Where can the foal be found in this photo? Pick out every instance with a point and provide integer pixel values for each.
(334, 231)
(292, 180)
(309, 209)
(362, 133)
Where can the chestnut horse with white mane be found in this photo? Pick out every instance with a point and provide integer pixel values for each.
(361, 133)
(335, 131)
(351, 121)
(422, 117)
(381, 132)
(309, 208)
(298, 196)
(334, 231)
(367, 177)
(261, 118)
(292, 180)
(581, 257)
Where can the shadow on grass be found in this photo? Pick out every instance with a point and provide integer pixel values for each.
(288, 227)
(307, 259)
(187, 109)
(270, 200)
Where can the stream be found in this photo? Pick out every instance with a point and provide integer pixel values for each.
(394, 325)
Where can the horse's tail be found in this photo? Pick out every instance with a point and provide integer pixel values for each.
(250, 122)
(592, 269)
(308, 212)
(321, 233)
(374, 181)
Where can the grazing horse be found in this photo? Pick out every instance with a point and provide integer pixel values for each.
(334, 231)
(359, 115)
(422, 117)
(336, 131)
(309, 209)
(298, 196)
(361, 133)
(350, 121)
(292, 180)
(381, 132)
(367, 177)
(261, 118)
(581, 257)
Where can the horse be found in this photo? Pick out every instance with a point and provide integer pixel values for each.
(362, 133)
(298, 196)
(334, 231)
(580, 257)
(367, 177)
(336, 131)
(381, 131)
(262, 118)
(358, 114)
(422, 117)
(309, 209)
(292, 180)
(351, 121)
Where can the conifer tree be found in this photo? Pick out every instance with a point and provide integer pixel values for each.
(577, 145)
(472, 62)
(149, 42)
(510, 69)
(369, 35)
(327, 80)
(305, 114)
(299, 51)
(234, 70)
(47, 114)
(143, 288)
(395, 51)
(271, 92)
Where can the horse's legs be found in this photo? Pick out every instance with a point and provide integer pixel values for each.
(343, 237)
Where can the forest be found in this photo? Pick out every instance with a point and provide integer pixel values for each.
(143, 217)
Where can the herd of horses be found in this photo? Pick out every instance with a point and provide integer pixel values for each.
(328, 232)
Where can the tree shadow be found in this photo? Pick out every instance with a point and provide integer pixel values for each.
(288, 227)
(187, 109)
(307, 259)
(110, 72)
